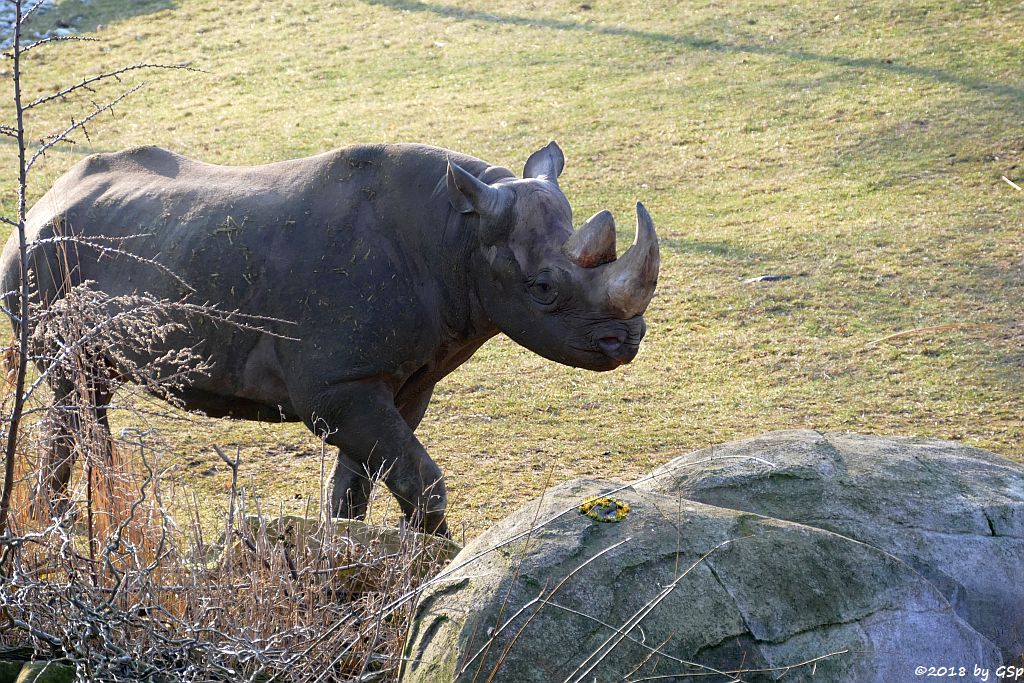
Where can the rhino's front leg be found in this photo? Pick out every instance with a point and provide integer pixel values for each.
(373, 437)
(350, 488)
(351, 484)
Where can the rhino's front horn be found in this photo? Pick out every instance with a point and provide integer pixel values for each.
(594, 243)
(630, 280)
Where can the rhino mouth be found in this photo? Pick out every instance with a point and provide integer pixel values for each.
(621, 352)
(616, 345)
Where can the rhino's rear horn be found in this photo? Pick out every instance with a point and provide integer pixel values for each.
(594, 243)
(630, 281)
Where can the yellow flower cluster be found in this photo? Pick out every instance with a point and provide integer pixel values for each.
(605, 509)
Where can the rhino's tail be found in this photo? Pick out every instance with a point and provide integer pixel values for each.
(11, 357)
(10, 280)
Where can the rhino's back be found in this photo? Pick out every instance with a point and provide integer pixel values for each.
(197, 218)
(158, 198)
(338, 243)
(145, 189)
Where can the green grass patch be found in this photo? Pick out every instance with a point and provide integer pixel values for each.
(856, 148)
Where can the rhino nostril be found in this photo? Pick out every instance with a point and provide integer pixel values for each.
(610, 345)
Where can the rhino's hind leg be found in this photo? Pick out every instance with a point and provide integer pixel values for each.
(78, 422)
(350, 489)
(51, 497)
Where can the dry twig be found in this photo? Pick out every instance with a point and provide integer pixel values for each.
(931, 328)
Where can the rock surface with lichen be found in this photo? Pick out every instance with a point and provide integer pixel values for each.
(953, 513)
(678, 589)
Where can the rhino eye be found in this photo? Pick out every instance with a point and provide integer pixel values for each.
(543, 290)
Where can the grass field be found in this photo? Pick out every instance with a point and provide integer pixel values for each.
(858, 149)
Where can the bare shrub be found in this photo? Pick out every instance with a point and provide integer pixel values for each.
(291, 599)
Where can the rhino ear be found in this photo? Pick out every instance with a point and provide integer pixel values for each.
(546, 163)
(468, 194)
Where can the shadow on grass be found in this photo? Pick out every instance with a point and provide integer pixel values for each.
(694, 42)
(84, 16)
(715, 248)
(77, 149)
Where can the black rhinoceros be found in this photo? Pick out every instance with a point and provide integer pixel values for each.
(393, 264)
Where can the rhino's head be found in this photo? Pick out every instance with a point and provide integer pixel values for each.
(561, 293)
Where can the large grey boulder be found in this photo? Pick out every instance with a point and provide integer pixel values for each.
(680, 590)
(46, 672)
(952, 512)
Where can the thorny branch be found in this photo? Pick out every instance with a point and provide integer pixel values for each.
(52, 39)
(96, 243)
(79, 125)
(86, 83)
(14, 420)
(27, 14)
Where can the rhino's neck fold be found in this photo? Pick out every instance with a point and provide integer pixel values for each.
(462, 266)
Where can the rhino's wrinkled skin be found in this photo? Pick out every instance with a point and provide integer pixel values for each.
(393, 264)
